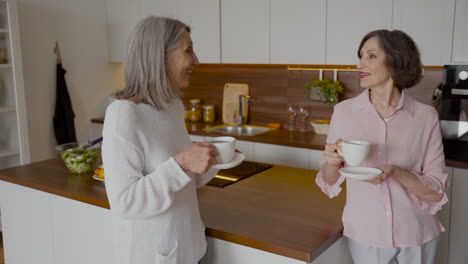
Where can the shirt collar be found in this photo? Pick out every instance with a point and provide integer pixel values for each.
(363, 103)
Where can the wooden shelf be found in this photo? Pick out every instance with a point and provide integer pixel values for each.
(5, 65)
(3, 30)
(8, 153)
(4, 109)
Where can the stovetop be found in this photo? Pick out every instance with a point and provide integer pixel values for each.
(242, 171)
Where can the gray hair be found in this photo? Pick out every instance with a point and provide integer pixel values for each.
(149, 46)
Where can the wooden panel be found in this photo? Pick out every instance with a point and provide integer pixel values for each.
(272, 87)
(283, 137)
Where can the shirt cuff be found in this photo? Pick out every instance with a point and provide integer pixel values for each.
(331, 190)
(429, 206)
(178, 179)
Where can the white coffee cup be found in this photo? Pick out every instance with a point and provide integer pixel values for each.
(354, 152)
(226, 147)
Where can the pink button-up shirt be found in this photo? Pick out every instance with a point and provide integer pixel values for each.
(387, 215)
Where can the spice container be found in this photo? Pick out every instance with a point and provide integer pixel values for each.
(208, 114)
(195, 114)
(186, 113)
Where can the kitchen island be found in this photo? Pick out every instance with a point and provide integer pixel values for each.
(276, 216)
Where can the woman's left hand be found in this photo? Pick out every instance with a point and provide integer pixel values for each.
(387, 171)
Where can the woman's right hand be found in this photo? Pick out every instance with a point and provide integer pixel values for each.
(198, 158)
(331, 153)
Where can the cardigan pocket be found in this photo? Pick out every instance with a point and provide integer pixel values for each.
(169, 257)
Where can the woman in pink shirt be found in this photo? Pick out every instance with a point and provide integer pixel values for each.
(390, 219)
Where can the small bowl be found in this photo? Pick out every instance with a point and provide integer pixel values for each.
(78, 163)
(320, 126)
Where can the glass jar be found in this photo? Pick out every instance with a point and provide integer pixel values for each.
(208, 114)
(186, 113)
(195, 111)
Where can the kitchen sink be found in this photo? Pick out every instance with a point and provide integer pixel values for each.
(244, 130)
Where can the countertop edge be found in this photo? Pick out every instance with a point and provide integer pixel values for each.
(275, 249)
(259, 139)
(214, 233)
(55, 191)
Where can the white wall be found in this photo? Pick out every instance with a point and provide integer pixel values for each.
(80, 28)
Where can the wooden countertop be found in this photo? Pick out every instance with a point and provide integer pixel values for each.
(280, 136)
(279, 210)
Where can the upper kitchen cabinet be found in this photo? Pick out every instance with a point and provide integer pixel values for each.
(348, 22)
(14, 146)
(122, 16)
(460, 33)
(429, 23)
(245, 27)
(298, 31)
(203, 18)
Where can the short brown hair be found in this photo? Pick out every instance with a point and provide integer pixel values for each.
(403, 59)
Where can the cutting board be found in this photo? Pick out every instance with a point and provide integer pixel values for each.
(231, 101)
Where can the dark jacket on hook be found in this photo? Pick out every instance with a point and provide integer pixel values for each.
(64, 126)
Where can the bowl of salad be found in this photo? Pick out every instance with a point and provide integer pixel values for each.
(78, 159)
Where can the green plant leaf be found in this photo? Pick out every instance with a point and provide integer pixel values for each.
(328, 90)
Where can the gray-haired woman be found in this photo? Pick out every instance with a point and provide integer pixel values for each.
(152, 168)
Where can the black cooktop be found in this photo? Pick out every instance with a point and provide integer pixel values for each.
(241, 171)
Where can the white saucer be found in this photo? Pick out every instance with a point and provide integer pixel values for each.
(360, 173)
(97, 178)
(238, 158)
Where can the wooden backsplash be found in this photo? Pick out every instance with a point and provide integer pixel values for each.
(272, 87)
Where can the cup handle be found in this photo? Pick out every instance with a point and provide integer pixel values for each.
(339, 151)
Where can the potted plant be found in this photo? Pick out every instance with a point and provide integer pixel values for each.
(327, 90)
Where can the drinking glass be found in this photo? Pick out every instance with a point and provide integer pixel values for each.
(292, 114)
(303, 115)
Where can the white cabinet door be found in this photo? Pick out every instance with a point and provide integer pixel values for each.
(203, 18)
(82, 232)
(224, 252)
(444, 217)
(348, 22)
(282, 155)
(429, 23)
(298, 31)
(195, 138)
(247, 148)
(315, 159)
(245, 27)
(458, 252)
(122, 16)
(460, 33)
(27, 224)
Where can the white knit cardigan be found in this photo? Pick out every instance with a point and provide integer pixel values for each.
(153, 202)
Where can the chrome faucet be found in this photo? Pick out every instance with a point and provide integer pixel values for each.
(239, 119)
